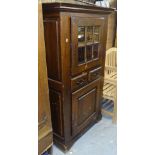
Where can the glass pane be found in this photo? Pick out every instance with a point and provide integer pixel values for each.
(90, 34)
(89, 53)
(95, 51)
(96, 33)
(96, 29)
(81, 34)
(96, 37)
(81, 55)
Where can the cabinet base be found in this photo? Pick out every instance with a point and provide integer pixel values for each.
(50, 151)
(66, 147)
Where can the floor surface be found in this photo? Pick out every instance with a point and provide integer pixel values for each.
(99, 140)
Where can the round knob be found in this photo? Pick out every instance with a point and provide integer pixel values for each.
(67, 40)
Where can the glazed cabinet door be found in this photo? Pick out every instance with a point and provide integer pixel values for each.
(85, 105)
(87, 43)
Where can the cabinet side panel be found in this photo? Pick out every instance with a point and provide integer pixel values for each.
(52, 48)
(56, 109)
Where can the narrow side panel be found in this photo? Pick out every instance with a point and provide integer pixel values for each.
(56, 110)
(52, 48)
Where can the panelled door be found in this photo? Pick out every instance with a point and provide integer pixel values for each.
(87, 43)
(85, 105)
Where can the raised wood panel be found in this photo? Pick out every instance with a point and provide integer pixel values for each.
(56, 109)
(85, 104)
(52, 42)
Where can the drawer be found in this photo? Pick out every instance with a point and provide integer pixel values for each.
(95, 74)
(79, 81)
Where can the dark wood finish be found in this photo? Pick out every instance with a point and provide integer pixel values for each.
(55, 99)
(53, 38)
(85, 105)
(44, 116)
(95, 73)
(74, 74)
(79, 81)
(81, 21)
(67, 7)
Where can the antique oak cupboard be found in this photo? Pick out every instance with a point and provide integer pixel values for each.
(75, 40)
(44, 116)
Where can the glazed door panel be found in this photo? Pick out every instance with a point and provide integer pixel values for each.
(87, 43)
(85, 104)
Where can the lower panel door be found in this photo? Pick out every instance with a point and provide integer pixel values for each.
(85, 106)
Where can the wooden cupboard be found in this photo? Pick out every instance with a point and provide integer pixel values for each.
(44, 115)
(75, 40)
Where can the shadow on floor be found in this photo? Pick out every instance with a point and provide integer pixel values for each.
(101, 139)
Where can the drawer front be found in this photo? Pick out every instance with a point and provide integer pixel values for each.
(79, 81)
(95, 74)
